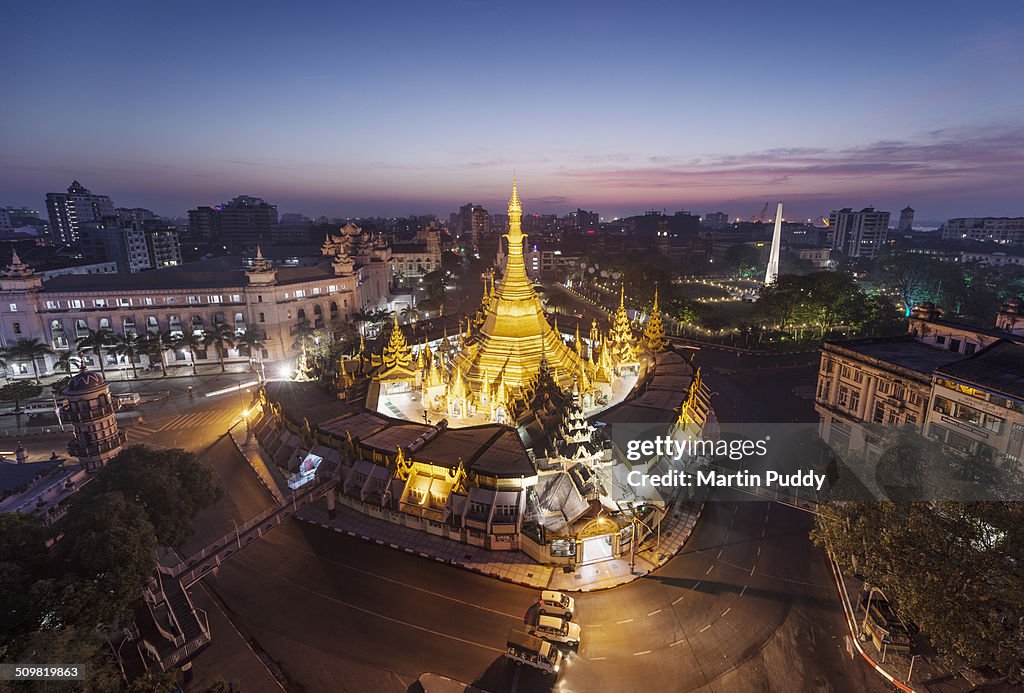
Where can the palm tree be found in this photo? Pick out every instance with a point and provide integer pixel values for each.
(68, 362)
(222, 338)
(153, 345)
(4, 357)
(97, 340)
(129, 346)
(252, 339)
(29, 350)
(410, 314)
(195, 339)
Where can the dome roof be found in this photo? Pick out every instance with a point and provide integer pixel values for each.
(84, 381)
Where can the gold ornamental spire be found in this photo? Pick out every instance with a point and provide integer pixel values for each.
(513, 203)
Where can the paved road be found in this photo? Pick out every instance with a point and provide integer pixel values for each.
(747, 605)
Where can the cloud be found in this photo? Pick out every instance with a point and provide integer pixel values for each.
(940, 159)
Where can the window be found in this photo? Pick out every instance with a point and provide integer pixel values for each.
(941, 339)
(124, 302)
(854, 399)
(969, 348)
(148, 301)
(844, 396)
(858, 376)
(213, 299)
(259, 298)
(263, 317)
(879, 416)
(236, 298)
(170, 300)
(52, 305)
(100, 303)
(193, 299)
(76, 303)
(14, 307)
(104, 323)
(844, 372)
(16, 327)
(331, 288)
(316, 290)
(954, 345)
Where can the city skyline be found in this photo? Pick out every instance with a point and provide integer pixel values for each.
(350, 112)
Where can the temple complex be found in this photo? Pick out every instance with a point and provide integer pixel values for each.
(493, 368)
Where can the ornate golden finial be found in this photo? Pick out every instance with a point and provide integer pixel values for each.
(514, 203)
(622, 295)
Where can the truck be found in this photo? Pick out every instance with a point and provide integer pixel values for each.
(523, 648)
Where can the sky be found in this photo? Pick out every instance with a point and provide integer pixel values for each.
(393, 108)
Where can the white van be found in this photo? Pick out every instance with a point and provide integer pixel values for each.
(127, 399)
(556, 629)
(556, 604)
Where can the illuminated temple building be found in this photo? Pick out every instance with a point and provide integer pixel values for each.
(490, 436)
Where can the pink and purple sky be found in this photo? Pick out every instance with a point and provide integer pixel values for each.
(351, 109)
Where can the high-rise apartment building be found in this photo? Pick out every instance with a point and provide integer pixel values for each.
(474, 224)
(162, 247)
(71, 210)
(125, 245)
(242, 222)
(135, 215)
(858, 234)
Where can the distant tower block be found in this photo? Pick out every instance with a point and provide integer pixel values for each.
(92, 414)
(772, 274)
(906, 219)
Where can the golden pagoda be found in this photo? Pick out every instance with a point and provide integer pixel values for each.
(654, 330)
(514, 335)
(620, 338)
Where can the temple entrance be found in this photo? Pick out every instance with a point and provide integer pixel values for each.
(597, 549)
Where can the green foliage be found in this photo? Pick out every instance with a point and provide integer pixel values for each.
(169, 486)
(743, 260)
(18, 391)
(85, 646)
(23, 562)
(827, 300)
(952, 568)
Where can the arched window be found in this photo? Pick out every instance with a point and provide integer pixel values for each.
(60, 339)
(334, 309)
(301, 314)
(104, 324)
(317, 310)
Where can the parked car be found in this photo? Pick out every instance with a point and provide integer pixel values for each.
(554, 629)
(556, 604)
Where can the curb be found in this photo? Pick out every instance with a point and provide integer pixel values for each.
(848, 613)
(491, 574)
(278, 496)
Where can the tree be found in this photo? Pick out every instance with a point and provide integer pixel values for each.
(222, 338)
(193, 340)
(911, 276)
(170, 486)
(29, 350)
(23, 562)
(130, 347)
(410, 314)
(154, 345)
(253, 340)
(952, 568)
(97, 340)
(743, 260)
(18, 391)
(68, 362)
(110, 548)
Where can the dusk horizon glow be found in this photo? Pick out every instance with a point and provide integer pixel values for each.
(356, 111)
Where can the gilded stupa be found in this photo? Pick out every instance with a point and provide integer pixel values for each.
(507, 349)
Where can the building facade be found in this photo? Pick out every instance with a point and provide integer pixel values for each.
(954, 382)
(858, 234)
(906, 219)
(1008, 230)
(69, 211)
(354, 274)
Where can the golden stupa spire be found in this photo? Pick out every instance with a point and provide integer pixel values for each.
(579, 343)
(514, 203)
(397, 351)
(654, 331)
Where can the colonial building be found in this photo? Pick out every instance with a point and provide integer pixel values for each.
(352, 274)
(410, 261)
(952, 381)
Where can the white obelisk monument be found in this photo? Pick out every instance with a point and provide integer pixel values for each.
(773, 257)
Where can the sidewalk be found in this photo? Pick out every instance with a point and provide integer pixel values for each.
(254, 455)
(894, 667)
(511, 566)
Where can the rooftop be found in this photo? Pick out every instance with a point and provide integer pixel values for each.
(903, 351)
(998, 368)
